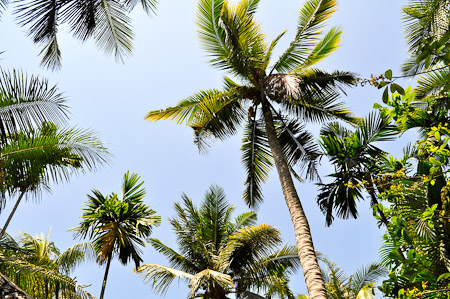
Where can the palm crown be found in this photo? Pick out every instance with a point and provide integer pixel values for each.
(294, 91)
(118, 227)
(219, 254)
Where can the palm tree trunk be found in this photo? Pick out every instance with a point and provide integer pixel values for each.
(306, 252)
(108, 263)
(11, 214)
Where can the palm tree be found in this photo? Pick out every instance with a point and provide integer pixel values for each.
(273, 99)
(37, 266)
(427, 22)
(219, 255)
(357, 161)
(34, 149)
(107, 21)
(117, 227)
(359, 285)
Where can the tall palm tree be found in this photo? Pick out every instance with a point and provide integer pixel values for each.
(219, 255)
(117, 227)
(107, 21)
(37, 266)
(34, 148)
(274, 100)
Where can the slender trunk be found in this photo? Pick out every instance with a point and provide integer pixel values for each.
(383, 217)
(306, 253)
(108, 263)
(11, 214)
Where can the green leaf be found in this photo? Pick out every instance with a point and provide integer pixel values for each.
(386, 95)
(398, 88)
(437, 135)
(377, 106)
(388, 74)
(443, 276)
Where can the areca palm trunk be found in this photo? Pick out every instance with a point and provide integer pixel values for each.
(105, 278)
(11, 214)
(311, 270)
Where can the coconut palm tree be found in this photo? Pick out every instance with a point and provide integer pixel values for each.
(35, 149)
(273, 99)
(117, 227)
(37, 266)
(106, 21)
(219, 255)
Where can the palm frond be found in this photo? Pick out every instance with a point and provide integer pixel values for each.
(433, 84)
(310, 22)
(112, 31)
(160, 277)
(367, 275)
(26, 102)
(212, 37)
(299, 147)
(242, 220)
(149, 6)
(74, 255)
(327, 45)
(175, 259)
(421, 18)
(257, 160)
(243, 37)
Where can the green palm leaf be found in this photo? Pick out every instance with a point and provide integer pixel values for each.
(323, 49)
(257, 160)
(299, 147)
(247, 49)
(212, 37)
(26, 102)
(160, 277)
(433, 84)
(311, 20)
(113, 33)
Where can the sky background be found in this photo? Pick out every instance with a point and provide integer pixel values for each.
(168, 65)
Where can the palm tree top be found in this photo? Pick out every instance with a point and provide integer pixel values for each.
(116, 225)
(216, 248)
(291, 88)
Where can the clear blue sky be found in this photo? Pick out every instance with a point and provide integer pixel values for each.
(167, 65)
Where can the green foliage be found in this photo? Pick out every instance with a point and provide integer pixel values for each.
(37, 266)
(416, 243)
(118, 226)
(107, 22)
(219, 255)
(359, 285)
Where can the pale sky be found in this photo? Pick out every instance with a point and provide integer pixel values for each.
(168, 65)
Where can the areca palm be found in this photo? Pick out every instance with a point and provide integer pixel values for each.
(117, 227)
(34, 148)
(219, 255)
(356, 161)
(106, 21)
(37, 266)
(274, 99)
